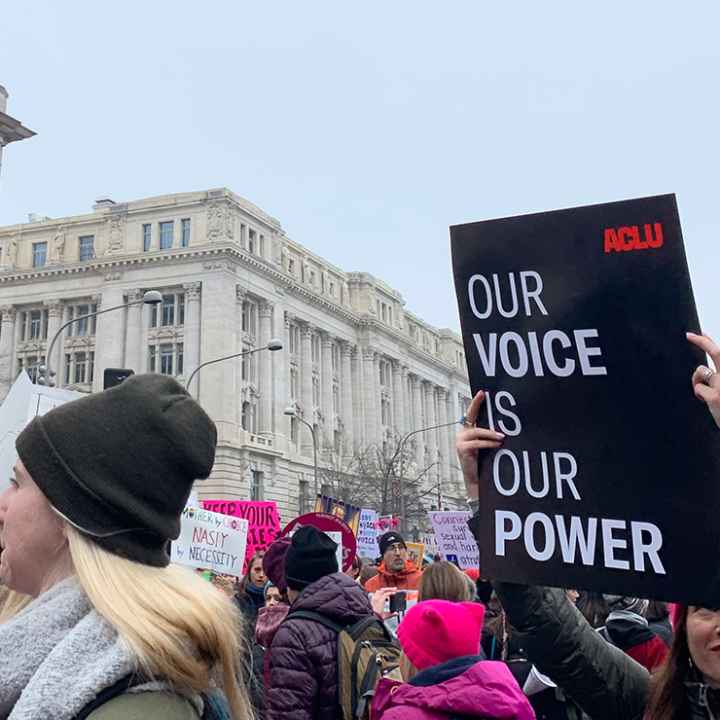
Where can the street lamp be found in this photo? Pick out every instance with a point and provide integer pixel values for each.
(398, 451)
(46, 373)
(291, 411)
(273, 345)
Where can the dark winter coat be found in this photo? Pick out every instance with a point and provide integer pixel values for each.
(303, 677)
(633, 635)
(467, 687)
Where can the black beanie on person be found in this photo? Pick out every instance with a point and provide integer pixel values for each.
(312, 555)
(119, 464)
(388, 539)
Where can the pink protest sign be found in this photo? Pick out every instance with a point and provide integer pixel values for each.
(262, 516)
(328, 523)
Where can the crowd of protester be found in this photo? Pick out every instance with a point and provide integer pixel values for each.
(96, 623)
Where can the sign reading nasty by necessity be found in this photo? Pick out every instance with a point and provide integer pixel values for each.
(574, 325)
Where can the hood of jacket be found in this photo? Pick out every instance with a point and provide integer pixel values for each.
(468, 686)
(627, 629)
(268, 621)
(337, 597)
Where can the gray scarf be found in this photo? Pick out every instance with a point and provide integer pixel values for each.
(56, 655)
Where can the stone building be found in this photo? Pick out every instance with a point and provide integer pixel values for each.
(356, 363)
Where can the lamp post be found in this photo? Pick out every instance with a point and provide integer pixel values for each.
(291, 411)
(46, 373)
(273, 346)
(398, 451)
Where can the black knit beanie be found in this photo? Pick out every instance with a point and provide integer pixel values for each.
(119, 465)
(312, 555)
(388, 539)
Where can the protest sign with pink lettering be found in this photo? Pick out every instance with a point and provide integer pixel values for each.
(262, 516)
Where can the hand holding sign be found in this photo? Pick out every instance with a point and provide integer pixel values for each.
(470, 440)
(705, 381)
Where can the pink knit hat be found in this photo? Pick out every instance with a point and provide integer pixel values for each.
(434, 631)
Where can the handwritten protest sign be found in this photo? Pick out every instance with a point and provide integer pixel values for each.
(212, 541)
(416, 553)
(574, 324)
(455, 541)
(262, 516)
(367, 534)
(22, 403)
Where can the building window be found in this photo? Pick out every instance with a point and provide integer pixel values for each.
(262, 246)
(248, 416)
(147, 236)
(385, 373)
(293, 383)
(30, 365)
(294, 339)
(336, 399)
(171, 313)
(35, 324)
(249, 318)
(304, 496)
(39, 256)
(291, 266)
(166, 359)
(252, 237)
(166, 235)
(83, 326)
(315, 345)
(247, 368)
(256, 489)
(185, 232)
(87, 247)
(293, 430)
(316, 391)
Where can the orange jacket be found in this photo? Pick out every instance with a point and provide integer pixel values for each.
(407, 579)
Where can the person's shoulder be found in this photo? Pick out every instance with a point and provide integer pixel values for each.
(374, 583)
(145, 706)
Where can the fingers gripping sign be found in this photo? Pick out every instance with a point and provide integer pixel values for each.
(471, 440)
(705, 380)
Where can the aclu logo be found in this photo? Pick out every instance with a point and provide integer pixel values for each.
(634, 237)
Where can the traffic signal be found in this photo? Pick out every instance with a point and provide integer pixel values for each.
(114, 376)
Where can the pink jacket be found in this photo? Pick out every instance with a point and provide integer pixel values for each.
(483, 689)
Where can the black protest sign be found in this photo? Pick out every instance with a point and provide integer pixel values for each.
(574, 324)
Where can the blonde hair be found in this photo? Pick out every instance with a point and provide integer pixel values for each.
(178, 626)
(11, 603)
(407, 669)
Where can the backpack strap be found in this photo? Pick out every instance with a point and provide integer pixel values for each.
(120, 687)
(316, 617)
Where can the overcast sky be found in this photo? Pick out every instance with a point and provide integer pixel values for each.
(368, 128)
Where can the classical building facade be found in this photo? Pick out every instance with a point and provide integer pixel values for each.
(355, 364)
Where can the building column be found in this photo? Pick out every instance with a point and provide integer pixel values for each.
(370, 395)
(326, 387)
(397, 397)
(191, 336)
(431, 435)
(443, 435)
(418, 421)
(282, 375)
(357, 393)
(405, 420)
(7, 343)
(133, 335)
(453, 414)
(55, 315)
(306, 394)
(346, 384)
(109, 334)
(145, 318)
(217, 384)
(265, 365)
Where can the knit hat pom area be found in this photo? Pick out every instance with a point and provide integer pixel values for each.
(435, 631)
(119, 465)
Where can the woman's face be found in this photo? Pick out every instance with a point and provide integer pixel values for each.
(257, 574)
(272, 597)
(703, 635)
(35, 553)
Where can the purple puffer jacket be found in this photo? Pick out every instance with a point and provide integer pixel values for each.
(465, 687)
(303, 681)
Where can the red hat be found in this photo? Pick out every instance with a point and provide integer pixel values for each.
(472, 573)
(435, 631)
